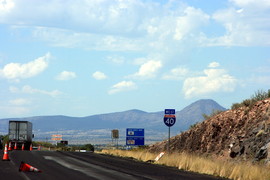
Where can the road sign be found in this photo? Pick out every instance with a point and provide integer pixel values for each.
(135, 141)
(169, 111)
(56, 135)
(115, 134)
(56, 139)
(169, 121)
(135, 132)
(135, 137)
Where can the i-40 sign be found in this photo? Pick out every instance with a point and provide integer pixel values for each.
(169, 120)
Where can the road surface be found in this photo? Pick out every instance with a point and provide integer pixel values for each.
(78, 165)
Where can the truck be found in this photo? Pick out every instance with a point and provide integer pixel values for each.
(20, 133)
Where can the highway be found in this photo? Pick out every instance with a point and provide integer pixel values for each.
(77, 165)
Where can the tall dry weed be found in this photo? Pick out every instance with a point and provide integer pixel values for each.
(203, 165)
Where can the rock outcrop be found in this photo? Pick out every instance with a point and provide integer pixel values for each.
(243, 133)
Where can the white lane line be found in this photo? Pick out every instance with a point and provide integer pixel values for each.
(89, 169)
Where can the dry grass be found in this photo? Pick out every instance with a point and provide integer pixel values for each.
(203, 165)
(140, 155)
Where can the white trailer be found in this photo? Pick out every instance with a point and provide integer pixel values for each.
(20, 132)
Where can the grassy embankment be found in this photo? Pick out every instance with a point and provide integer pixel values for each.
(203, 165)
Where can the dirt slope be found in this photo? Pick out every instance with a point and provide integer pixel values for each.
(243, 132)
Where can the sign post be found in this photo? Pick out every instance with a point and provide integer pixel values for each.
(169, 120)
(56, 137)
(115, 136)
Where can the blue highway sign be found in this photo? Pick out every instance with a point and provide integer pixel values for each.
(131, 132)
(169, 111)
(135, 141)
(135, 137)
(169, 120)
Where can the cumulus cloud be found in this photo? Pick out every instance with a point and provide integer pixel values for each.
(214, 80)
(176, 74)
(246, 23)
(19, 71)
(6, 6)
(110, 25)
(29, 90)
(184, 25)
(138, 25)
(66, 75)
(148, 70)
(122, 86)
(99, 75)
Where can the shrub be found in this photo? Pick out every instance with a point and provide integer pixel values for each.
(258, 96)
(88, 147)
(236, 106)
(261, 95)
(214, 113)
(194, 125)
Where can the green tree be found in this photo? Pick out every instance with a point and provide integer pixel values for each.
(88, 147)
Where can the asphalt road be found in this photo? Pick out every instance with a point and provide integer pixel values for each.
(78, 165)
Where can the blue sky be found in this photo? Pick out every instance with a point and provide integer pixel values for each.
(85, 57)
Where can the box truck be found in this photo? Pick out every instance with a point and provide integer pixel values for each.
(20, 133)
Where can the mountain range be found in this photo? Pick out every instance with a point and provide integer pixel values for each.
(97, 128)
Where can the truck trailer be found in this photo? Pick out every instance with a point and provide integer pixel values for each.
(20, 134)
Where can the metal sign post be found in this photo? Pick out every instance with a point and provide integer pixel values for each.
(169, 120)
(115, 136)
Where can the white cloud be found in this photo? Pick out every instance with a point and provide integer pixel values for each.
(148, 70)
(6, 6)
(176, 74)
(29, 90)
(99, 75)
(246, 24)
(66, 75)
(122, 86)
(14, 89)
(213, 65)
(15, 110)
(110, 25)
(18, 71)
(262, 4)
(214, 80)
(116, 59)
(20, 102)
(138, 25)
(190, 22)
(89, 41)
(260, 80)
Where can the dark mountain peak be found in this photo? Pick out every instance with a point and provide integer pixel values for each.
(204, 102)
(205, 105)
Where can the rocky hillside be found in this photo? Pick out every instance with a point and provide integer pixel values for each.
(239, 133)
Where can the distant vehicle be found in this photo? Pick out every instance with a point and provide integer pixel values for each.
(20, 132)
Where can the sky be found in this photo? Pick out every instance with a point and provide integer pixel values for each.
(86, 57)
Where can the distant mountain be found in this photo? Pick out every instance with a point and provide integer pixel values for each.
(97, 127)
(194, 112)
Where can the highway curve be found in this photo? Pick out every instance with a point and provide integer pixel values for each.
(76, 166)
